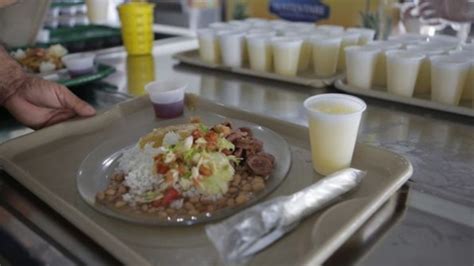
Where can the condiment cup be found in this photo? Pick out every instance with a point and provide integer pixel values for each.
(360, 65)
(79, 64)
(325, 55)
(402, 72)
(366, 35)
(167, 97)
(448, 76)
(260, 51)
(333, 126)
(232, 46)
(209, 49)
(286, 53)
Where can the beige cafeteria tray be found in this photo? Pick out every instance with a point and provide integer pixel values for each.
(464, 108)
(47, 161)
(306, 78)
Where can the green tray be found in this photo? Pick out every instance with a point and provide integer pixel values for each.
(81, 33)
(62, 76)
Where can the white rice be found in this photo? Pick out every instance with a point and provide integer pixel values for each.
(138, 165)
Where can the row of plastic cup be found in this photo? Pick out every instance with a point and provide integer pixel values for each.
(287, 48)
(443, 70)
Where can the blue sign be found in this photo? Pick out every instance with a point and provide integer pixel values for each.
(299, 10)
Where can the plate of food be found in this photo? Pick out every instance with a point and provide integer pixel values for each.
(183, 173)
(40, 60)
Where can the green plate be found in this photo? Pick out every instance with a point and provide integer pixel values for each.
(101, 72)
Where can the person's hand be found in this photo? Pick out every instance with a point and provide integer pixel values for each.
(5, 3)
(452, 10)
(38, 103)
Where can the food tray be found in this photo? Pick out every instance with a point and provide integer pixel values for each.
(62, 77)
(306, 78)
(47, 161)
(464, 108)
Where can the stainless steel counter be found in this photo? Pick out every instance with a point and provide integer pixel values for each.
(436, 225)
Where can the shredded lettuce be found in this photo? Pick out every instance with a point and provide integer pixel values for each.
(222, 173)
(203, 128)
(224, 144)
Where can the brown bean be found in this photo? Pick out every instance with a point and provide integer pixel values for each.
(243, 182)
(211, 208)
(110, 192)
(193, 212)
(205, 201)
(247, 187)
(122, 189)
(120, 204)
(258, 179)
(100, 196)
(162, 215)
(189, 206)
(119, 177)
(170, 211)
(241, 198)
(230, 202)
(258, 186)
(161, 208)
(194, 199)
(236, 180)
(233, 190)
(152, 210)
(144, 207)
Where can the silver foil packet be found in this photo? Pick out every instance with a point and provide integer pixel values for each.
(246, 233)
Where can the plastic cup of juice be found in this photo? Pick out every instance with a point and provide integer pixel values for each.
(331, 29)
(360, 65)
(167, 97)
(468, 91)
(333, 126)
(366, 35)
(97, 11)
(402, 72)
(423, 82)
(209, 49)
(380, 75)
(306, 48)
(286, 53)
(448, 76)
(260, 51)
(232, 44)
(325, 55)
(348, 39)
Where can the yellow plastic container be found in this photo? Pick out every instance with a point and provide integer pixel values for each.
(137, 27)
(140, 71)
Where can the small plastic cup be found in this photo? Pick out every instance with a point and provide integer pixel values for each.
(306, 49)
(167, 97)
(79, 64)
(232, 46)
(137, 27)
(331, 29)
(97, 11)
(260, 51)
(380, 75)
(286, 53)
(402, 72)
(325, 55)
(348, 39)
(468, 91)
(448, 76)
(333, 126)
(423, 82)
(209, 49)
(360, 65)
(366, 35)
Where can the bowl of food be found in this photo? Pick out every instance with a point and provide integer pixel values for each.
(185, 173)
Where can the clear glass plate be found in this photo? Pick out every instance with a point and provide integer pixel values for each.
(96, 169)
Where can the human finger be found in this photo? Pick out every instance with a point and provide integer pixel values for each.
(71, 101)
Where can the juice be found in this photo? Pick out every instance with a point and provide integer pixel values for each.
(209, 50)
(285, 56)
(168, 110)
(260, 52)
(360, 66)
(325, 56)
(347, 40)
(448, 79)
(333, 125)
(402, 72)
(305, 56)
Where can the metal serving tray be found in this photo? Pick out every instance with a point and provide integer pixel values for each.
(307, 78)
(46, 162)
(464, 108)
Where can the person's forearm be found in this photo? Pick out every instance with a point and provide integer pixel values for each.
(12, 75)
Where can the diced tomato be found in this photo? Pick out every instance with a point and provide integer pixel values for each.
(205, 171)
(161, 168)
(211, 136)
(170, 195)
